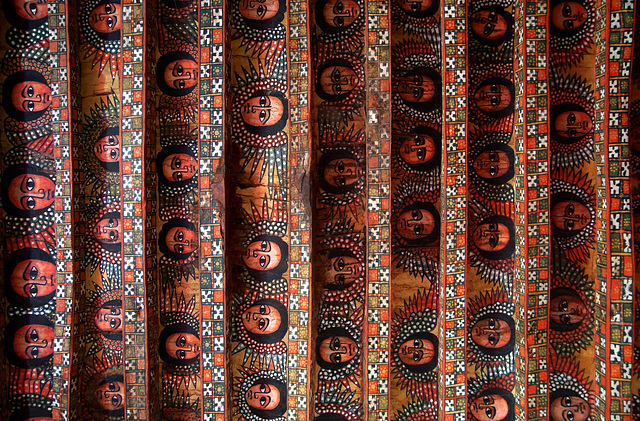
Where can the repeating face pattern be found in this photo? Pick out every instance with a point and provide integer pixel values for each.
(336, 210)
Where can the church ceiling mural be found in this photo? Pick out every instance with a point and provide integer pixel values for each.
(327, 210)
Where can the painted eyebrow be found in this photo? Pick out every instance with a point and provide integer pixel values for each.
(175, 236)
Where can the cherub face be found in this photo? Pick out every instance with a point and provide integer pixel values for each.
(109, 319)
(567, 309)
(261, 319)
(418, 351)
(340, 13)
(259, 9)
(491, 407)
(181, 240)
(415, 224)
(262, 110)
(491, 333)
(417, 149)
(492, 97)
(106, 18)
(262, 255)
(491, 236)
(338, 80)
(337, 349)
(181, 74)
(569, 408)
(108, 230)
(492, 164)
(568, 15)
(107, 148)
(415, 88)
(342, 172)
(570, 215)
(33, 278)
(263, 396)
(489, 25)
(343, 270)
(573, 124)
(111, 395)
(31, 96)
(32, 192)
(183, 346)
(33, 341)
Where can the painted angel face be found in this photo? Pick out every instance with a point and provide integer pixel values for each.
(415, 224)
(342, 172)
(570, 215)
(107, 148)
(489, 24)
(337, 349)
(31, 9)
(179, 167)
(261, 319)
(31, 96)
(568, 15)
(415, 88)
(106, 18)
(259, 9)
(343, 270)
(417, 149)
(181, 240)
(262, 110)
(33, 341)
(491, 332)
(108, 230)
(183, 346)
(181, 74)
(32, 192)
(33, 278)
(262, 255)
(109, 318)
(417, 351)
(338, 80)
(491, 236)
(491, 407)
(340, 13)
(492, 164)
(111, 395)
(492, 97)
(573, 124)
(569, 408)
(263, 396)
(567, 309)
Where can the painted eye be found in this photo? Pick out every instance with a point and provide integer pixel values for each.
(115, 401)
(339, 21)
(30, 184)
(114, 311)
(182, 341)
(339, 8)
(33, 9)
(32, 290)
(263, 101)
(417, 93)
(492, 324)
(417, 356)
(263, 309)
(340, 167)
(262, 324)
(563, 306)
(111, 22)
(335, 344)
(566, 10)
(264, 246)
(113, 323)
(262, 115)
(113, 154)
(488, 29)
(340, 265)
(493, 170)
(415, 214)
(486, 400)
(263, 401)
(33, 273)
(565, 319)
(492, 338)
(180, 236)
(112, 223)
(112, 387)
(112, 140)
(108, 8)
(31, 203)
(30, 91)
(30, 106)
(33, 336)
(420, 154)
(417, 230)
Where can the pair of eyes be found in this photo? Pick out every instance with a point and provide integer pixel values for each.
(494, 235)
(563, 307)
(112, 223)
(264, 389)
(115, 399)
(33, 337)
(567, 12)
(338, 9)
(110, 9)
(416, 215)
(493, 169)
(494, 99)
(493, 338)
(181, 342)
(336, 76)
(30, 184)
(265, 113)
(179, 71)
(417, 92)
(569, 210)
(489, 410)
(335, 345)
(112, 141)
(418, 353)
(490, 27)
(571, 121)
(29, 92)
